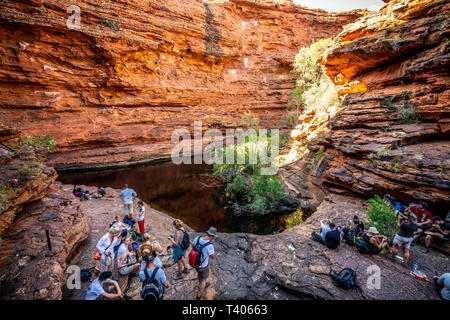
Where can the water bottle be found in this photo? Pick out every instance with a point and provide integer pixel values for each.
(415, 267)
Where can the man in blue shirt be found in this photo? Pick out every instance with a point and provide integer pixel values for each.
(127, 198)
(160, 276)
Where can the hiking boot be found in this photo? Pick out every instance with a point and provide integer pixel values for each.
(179, 275)
(186, 270)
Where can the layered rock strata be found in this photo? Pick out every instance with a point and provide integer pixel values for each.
(116, 88)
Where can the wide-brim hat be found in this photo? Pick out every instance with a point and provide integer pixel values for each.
(412, 217)
(212, 232)
(373, 230)
(108, 260)
(144, 247)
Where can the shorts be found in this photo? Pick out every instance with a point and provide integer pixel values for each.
(128, 208)
(402, 241)
(203, 273)
(125, 270)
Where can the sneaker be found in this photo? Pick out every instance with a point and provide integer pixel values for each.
(179, 275)
(125, 297)
(198, 297)
(186, 270)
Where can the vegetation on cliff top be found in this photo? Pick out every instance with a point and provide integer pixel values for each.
(314, 90)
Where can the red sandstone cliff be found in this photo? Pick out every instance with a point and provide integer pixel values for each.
(137, 70)
(393, 134)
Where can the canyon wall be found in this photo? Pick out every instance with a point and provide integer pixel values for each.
(393, 133)
(116, 88)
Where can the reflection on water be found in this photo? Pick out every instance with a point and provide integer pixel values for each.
(180, 191)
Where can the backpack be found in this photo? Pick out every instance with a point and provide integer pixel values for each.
(150, 287)
(136, 236)
(195, 256)
(185, 242)
(86, 274)
(362, 246)
(346, 278)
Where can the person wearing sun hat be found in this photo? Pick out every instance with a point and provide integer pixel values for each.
(106, 248)
(207, 251)
(404, 237)
(376, 242)
(148, 256)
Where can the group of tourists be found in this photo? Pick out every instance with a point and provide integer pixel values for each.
(128, 248)
(414, 222)
(86, 195)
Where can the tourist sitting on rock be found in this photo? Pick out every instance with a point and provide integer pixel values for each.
(129, 221)
(120, 247)
(152, 272)
(106, 248)
(332, 238)
(442, 284)
(354, 230)
(179, 253)
(424, 218)
(80, 193)
(141, 217)
(398, 207)
(155, 247)
(439, 230)
(127, 195)
(376, 242)
(127, 260)
(96, 290)
(404, 237)
(100, 193)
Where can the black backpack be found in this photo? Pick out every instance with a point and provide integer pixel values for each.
(362, 246)
(346, 278)
(150, 287)
(86, 274)
(185, 242)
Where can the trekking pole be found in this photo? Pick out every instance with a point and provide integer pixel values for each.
(49, 244)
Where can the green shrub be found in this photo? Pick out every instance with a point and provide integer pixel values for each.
(4, 201)
(247, 120)
(245, 188)
(38, 143)
(314, 89)
(28, 170)
(381, 216)
(291, 120)
(383, 151)
(294, 219)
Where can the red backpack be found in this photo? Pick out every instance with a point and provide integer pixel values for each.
(196, 254)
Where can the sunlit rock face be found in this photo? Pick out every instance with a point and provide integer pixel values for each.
(392, 135)
(134, 71)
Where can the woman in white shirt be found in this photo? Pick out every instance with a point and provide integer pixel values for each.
(106, 248)
(141, 217)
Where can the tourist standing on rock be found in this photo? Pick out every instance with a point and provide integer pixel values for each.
(153, 278)
(96, 290)
(106, 248)
(127, 195)
(202, 250)
(141, 217)
(155, 247)
(405, 236)
(332, 238)
(179, 253)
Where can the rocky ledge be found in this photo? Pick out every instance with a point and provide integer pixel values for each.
(289, 265)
